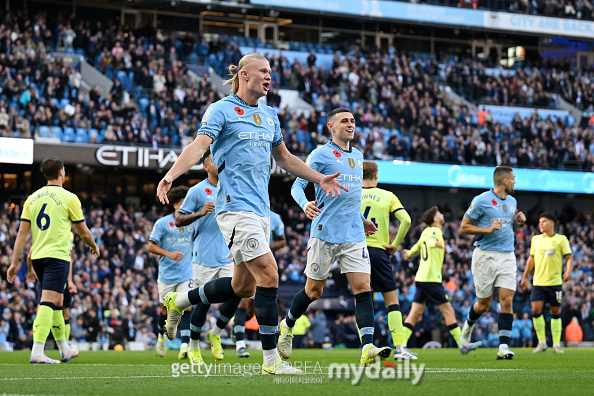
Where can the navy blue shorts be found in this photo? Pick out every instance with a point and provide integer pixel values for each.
(52, 273)
(549, 294)
(382, 273)
(431, 293)
(67, 296)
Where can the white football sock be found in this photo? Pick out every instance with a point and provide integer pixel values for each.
(270, 356)
(182, 300)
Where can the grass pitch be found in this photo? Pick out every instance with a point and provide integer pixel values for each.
(446, 372)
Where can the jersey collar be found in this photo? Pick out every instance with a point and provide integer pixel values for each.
(331, 143)
(497, 196)
(243, 102)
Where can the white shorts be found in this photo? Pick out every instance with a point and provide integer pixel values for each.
(321, 255)
(164, 288)
(204, 274)
(491, 269)
(246, 234)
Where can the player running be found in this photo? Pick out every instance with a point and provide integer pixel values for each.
(377, 205)
(49, 213)
(493, 216)
(174, 245)
(244, 132)
(546, 258)
(337, 233)
(209, 258)
(428, 279)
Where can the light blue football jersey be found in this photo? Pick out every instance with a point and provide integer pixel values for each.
(341, 220)
(243, 137)
(487, 208)
(174, 239)
(210, 248)
(277, 228)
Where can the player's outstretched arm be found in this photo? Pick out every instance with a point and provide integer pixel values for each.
(187, 159)
(87, 237)
(527, 271)
(295, 166)
(468, 227)
(19, 244)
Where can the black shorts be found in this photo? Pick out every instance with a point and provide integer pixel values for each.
(549, 294)
(52, 273)
(67, 296)
(431, 293)
(382, 273)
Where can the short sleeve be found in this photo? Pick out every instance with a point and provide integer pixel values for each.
(532, 246)
(395, 203)
(156, 233)
(75, 210)
(213, 121)
(278, 135)
(26, 215)
(565, 246)
(279, 230)
(190, 204)
(475, 210)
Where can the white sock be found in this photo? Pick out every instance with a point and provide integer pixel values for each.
(63, 347)
(239, 344)
(194, 344)
(182, 300)
(555, 345)
(184, 345)
(503, 346)
(38, 349)
(270, 356)
(216, 331)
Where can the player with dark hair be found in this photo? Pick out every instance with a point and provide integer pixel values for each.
(428, 279)
(493, 217)
(547, 251)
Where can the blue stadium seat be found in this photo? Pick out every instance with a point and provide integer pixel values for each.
(80, 51)
(56, 132)
(70, 50)
(16, 134)
(81, 136)
(194, 58)
(44, 131)
(143, 102)
(64, 102)
(68, 135)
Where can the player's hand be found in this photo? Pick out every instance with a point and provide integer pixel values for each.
(94, 250)
(31, 276)
(72, 287)
(566, 276)
(208, 207)
(11, 273)
(370, 228)
(331, 186)
(525, 284)
(406, 256)
(390, 249)
(311, 210)
(495, 226)
(163, 188)
(438, 245)
(520, 218)
(176, 256)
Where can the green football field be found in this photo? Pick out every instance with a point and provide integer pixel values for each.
(445, 372)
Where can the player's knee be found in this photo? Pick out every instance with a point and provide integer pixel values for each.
(314, 294)
(245, 290)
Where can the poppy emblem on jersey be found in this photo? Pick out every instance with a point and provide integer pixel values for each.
(352, 163)
(494, 202)
(171, 224)
(252, 244)
(504, 207)
(337, 154)
(270, 121)
(257, 119)
(239, 110)
(208, 191)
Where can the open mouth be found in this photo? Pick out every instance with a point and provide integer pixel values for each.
(266, 86)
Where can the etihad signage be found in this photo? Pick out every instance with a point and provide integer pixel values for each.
(138, 157)
(16, 151)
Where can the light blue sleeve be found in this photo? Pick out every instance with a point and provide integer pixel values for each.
(475, 210)
(213, 121)
(298, 188)
(156, 233)
(278, 135)
(279, 229)
(190, 204)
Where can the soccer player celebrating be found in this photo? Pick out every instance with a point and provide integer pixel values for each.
(547, 251)
(209, 260)
(174, 245)
(244, 132)
(337, 233)
(49, 213)
(376, 205)
(428, 279)
(494, 218)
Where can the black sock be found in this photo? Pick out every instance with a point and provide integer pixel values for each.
(215, 291)
(472, 316)
(184, 328)
(536, 316)
(364, 316)
(555, 316)
(299, 305)
(67, 321)
(227, 311)
(239, 325)
(197, 320)
(266, 310)
(162, 319)
(505, 326)
(408, 326)
(394, 307)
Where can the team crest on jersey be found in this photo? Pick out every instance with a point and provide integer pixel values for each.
(315, 268)
(257, 119)
(252, 244)
(352, 163)
(504, 206)
(206, 115)
(181, 230)
(360, 163)
(270, 121)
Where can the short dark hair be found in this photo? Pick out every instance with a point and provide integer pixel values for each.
(51, 168)
(206, 154)
(548, 215)
(500, 173)
(177, 194)
(336, 111)
(369, 170)
(429, 215)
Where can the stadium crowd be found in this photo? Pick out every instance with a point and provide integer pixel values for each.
(117, 298)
